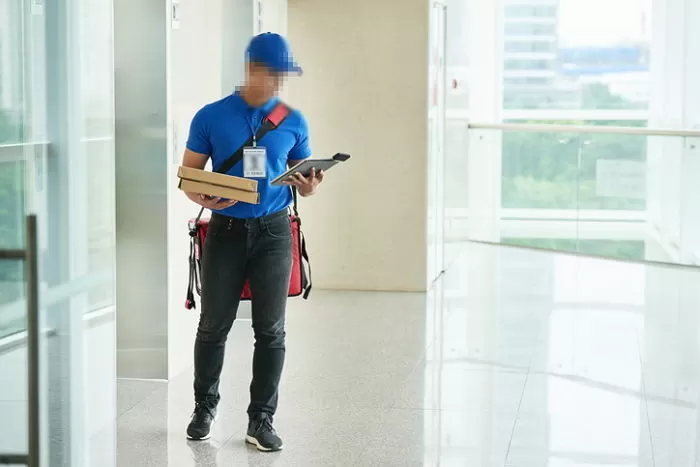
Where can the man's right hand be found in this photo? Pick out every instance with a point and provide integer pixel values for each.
(198, 161)
(211, 202)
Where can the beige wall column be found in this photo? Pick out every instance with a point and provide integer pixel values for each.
(364, 92)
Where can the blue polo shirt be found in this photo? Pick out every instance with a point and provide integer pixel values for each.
(222, 127)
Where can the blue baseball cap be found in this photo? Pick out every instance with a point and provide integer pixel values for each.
(272, 51)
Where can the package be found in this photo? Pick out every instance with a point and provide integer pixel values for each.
(219, 185)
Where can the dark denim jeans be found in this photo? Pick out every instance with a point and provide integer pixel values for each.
(259, 250)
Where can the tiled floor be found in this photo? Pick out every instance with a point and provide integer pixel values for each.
(518, 358)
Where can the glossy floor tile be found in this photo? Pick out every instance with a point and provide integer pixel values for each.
(517, 358)
(132, 392)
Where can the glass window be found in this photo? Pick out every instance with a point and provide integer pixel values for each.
(530, 47)
(12, 100)
(530, 11)
(536, 65)
(12, 187)
(526, 81)
(603, 62)
(23, 119)
(561, 171)
(530, 29)
(13, 125)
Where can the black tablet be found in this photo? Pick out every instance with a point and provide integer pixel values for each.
(304, 167)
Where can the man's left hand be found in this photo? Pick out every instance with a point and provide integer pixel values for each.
(307, 186)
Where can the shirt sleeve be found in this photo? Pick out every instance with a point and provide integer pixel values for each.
(302, 149)
(198, 140)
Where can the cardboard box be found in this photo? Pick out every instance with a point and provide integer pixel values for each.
(212, 178)
(192, 186)
(219, 185)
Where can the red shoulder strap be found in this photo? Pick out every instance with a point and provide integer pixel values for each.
(278, 114)
(274, 119)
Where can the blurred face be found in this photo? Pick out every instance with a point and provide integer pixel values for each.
(264, 82)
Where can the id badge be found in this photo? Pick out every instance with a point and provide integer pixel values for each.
(255, 162)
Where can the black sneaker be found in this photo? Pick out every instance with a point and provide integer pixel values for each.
(262, 435)
(202, 419)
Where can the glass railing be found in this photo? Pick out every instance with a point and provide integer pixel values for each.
(13, 208)
(23, 188)
(619, 192)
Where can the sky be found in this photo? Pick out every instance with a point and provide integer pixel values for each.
(603, 22)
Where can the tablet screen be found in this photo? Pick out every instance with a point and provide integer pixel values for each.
(304, 168)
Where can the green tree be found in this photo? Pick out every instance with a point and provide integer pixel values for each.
(558, 170)
(12, 199)
(12, 128)
(598, 96)
(624, 249)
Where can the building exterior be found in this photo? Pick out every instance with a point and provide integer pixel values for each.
(622, 68)
(10, 66)
(530, 56)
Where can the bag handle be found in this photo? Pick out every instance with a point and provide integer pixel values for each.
(295, 205)
(273, 120)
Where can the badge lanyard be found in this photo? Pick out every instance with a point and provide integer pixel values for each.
(254, 158)
(251, 124)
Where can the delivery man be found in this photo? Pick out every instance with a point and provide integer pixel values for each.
(248, 241)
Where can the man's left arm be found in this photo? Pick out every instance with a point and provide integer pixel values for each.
(301, 151)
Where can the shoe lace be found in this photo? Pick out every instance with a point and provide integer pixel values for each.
(266, 426)
(200, 408)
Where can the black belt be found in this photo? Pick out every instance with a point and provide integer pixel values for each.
(217, 218)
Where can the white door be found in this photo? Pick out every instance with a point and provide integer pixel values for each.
(270, 16)
(436, 145)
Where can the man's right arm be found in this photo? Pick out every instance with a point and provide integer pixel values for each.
(196, 156)
(194, 159)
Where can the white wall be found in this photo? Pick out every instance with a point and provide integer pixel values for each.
(195, 78)
(674, 163)
(237, 21)
(142, 154)
(164, 81)
(364, 92)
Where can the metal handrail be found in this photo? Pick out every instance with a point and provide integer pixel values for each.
(23, 145)
(31, 262)
(547, 128)
(12, 254)
(14, 459)
(95, 139)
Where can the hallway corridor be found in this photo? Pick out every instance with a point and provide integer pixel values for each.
(518, 358)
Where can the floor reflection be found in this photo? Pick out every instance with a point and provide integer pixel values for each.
(517, 358)
(601, 347)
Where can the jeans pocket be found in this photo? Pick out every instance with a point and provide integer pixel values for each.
(216, 228)
(281, 228)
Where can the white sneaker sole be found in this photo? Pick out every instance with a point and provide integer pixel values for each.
(254, 442)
